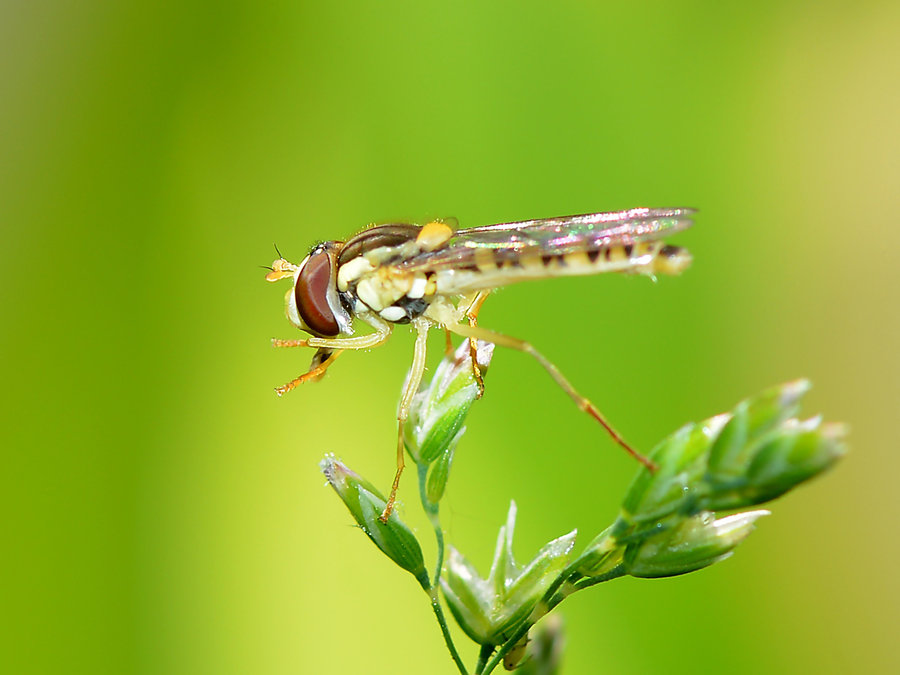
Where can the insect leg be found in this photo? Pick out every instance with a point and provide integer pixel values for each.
(322, 359)
(358, 342)
(472, 314)
(412, 386)
(289, 343)
(448, 346)
(330, 348)
(582, 403)
(382, 333)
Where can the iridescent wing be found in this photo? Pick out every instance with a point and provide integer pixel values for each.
(567, 234)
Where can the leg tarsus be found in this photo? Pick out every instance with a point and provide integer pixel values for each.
(320, 363)
(321, 360)
(401, 463)
(592, 410)
(472, 315)
(289, 343)
(476, 369)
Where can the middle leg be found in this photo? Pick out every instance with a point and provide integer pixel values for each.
(472, 315)
(416, 370)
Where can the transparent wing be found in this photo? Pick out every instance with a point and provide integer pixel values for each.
(566, 234)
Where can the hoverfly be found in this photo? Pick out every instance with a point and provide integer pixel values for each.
(435, 276)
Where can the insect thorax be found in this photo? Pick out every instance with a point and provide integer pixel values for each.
(368, 279)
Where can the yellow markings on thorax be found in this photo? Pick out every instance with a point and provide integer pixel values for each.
(433, 235)
(379, 284)
(352, 270)
(384, 287)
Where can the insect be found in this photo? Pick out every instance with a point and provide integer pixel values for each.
(433, 275)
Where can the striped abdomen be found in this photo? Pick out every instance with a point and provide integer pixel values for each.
(492, 268)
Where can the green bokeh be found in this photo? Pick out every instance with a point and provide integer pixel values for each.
(163, 509)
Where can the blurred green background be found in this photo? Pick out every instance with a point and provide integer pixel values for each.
(163, 509)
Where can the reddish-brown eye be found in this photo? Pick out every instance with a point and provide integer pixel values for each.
(311, 292)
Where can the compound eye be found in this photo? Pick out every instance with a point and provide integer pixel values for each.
(311, 293)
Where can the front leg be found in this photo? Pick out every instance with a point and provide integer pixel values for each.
(322, 359)
(328, 349)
